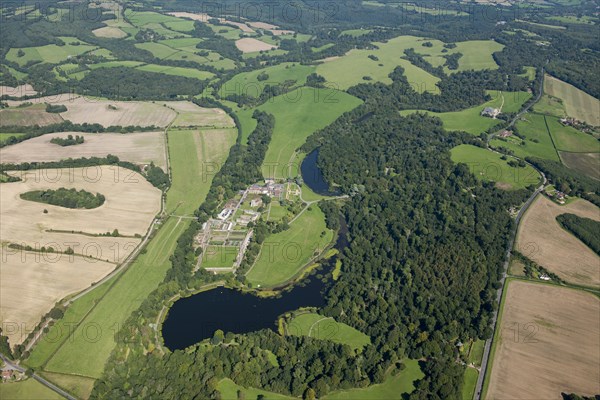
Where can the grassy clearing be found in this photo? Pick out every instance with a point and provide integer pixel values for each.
(177, 71)
(578, 103)
(165, 52)
(196, 156)
(114, 64)
(550, 105)
(572, 19)
(469, 383)
(219, 256)
(5, 136)
(537, 143)
(319, 327)
(229, 390)
(487, 165)
(570, 139)
(356, 32)
(297, 115)
(470, 119)
(50, 53)
(476, 352)
(284, 254)
(27, 390)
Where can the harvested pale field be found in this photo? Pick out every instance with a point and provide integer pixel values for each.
(243, 27)
(19, 91)
(130, 206)
(274, 29)
(251, 45)
(32, 115)
(547, 344)
(107, 113)
(189, 114)
(138, 147)
(579, 104)
(31, 283)
(541, 238)
(202, 17)
(586, 163)
(109, 32)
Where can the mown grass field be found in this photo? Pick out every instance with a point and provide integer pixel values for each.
(50, 53)
(297, 115)
(487, 165)
(570, 139)
(586, 163)
(578, 103)
(29, 389)
(537, 143)
(469, 383)
(319, 327)
(284, 254)
(5, 136)
(196, 156)
(470, 119)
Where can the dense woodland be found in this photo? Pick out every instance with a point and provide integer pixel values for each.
(69, 198)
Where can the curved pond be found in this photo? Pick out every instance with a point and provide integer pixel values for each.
(312, 175)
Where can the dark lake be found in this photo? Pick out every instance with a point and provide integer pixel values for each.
(312, 175)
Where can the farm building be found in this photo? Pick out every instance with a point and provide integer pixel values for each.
(490, 112)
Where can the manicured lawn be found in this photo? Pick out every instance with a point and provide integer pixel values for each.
(477, 352)
(27, 390)
(196, 156)
(284, 254)
(537, 143)
(470, 119)
(570, 139)
(297, 115)
(393, 388)
(487, 165)
(219, 256)
(50, 53)
(470, 381)
(317, 326)
(178, 71)
(277, 211)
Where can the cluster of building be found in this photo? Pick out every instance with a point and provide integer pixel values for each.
(490, 112)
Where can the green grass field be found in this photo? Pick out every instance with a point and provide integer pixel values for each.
(284, 254)
(5, 136)
(487, 165)
(476, 353)
(219, 256)
(572, 19)
(247, 82)
(196, 156)
(570, 139)
(165, 52)
(79, 386)
(177, 71)
(577, 103)
(317, 326)
(356, 32)
(186, 44)
(297, 115)
(50, 53)
(27, 390)
(550, 105)
(470, 119)
(537, 143)
(114, 64)
(277, 212)
(470, 381)
(229, 390)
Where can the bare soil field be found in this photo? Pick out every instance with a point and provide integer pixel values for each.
(130, 206)
(586, 163)
(31, 283)
(541, 238)
(109, 32)
(251, 45)
(32, 115)
(138, 147)
(82, 109)
(19, 91)
(548, 343)
(189, 114)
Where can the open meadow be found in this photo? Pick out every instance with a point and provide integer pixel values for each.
(50, 53)
(319, 327)
(292, 126)
(29, 389)
(284, 254)
(537, 143)
(570, 139)
(542, 239)
(136, 147)
(470, 119)
(488, 166)
(189, 114)
(546, 344)
(578, 104)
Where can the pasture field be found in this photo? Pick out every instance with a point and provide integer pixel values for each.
(177, 71)
(32, 115)
(292, 127)
(284, 254)
(251, 45)
(487, 165)
(470, 119)
(542, 239)
(550, 105)
(196, 156)
(546, 343)
(578, 103)
(32, 282)
(114, 64)
(111, 32)
(81, 356)
(247, 82)
(185, 44)
(138, 147)
(80, 386)
(183, 26)
(165, 52)
(537, 143)
(477, 54)
(393, 388)
(586, 163)
(219, 256)
(277, 212)
(29, 389)
(356, 32)
(189, 114)
(572, 19)
(50, 53)
(469, 383)
(570, 139)
(319, 327)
